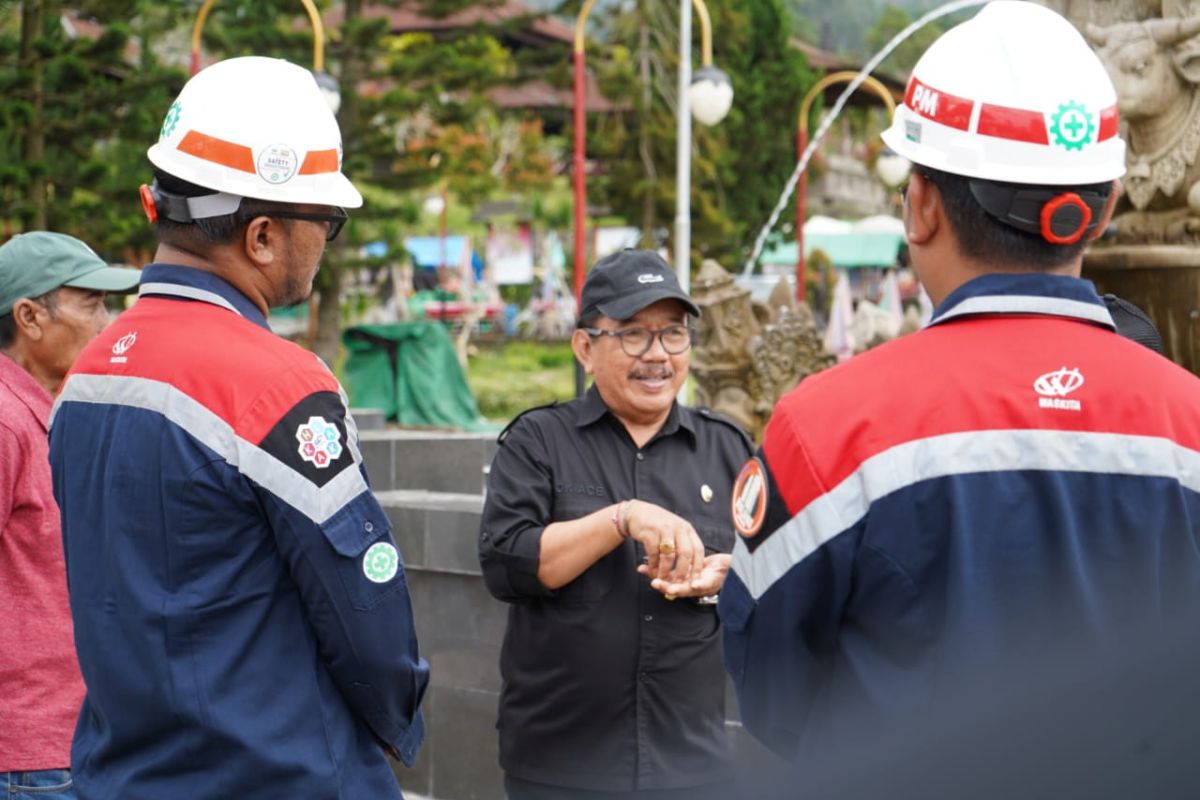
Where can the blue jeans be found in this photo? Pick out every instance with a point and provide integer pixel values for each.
(46, 784)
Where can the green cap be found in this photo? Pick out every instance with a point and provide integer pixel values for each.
(32, 264)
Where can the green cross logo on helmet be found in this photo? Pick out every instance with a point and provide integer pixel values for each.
(1072, 126)
(171, 120)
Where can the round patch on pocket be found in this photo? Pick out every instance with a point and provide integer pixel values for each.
(381, 562)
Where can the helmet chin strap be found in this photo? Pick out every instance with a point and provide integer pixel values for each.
(158, 202)
(1059, 217)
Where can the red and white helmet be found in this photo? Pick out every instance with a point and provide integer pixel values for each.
(1015, 95)
(255, 127)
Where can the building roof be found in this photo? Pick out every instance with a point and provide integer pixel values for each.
(827, 62)
(539, 29)
(537, 94)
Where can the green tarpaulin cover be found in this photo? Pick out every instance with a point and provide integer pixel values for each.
(410, 370)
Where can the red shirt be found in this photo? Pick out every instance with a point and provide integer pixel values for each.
(40, 686)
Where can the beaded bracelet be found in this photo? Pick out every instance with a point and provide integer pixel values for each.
(618, 519)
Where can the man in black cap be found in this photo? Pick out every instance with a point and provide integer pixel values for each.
(606, 527)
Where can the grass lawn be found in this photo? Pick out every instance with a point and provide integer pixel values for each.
(510, 377)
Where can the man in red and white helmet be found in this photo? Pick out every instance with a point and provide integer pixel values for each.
(241, 616)
(1016, 479)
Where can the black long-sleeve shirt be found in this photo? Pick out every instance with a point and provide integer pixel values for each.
(606, 684)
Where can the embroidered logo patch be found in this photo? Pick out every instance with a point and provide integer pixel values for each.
(381, 562)
(650, 277)
(121, 346)
(750, 498)
(320, 442)
(1055, 386)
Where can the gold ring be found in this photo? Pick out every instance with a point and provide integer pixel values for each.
(666, 547)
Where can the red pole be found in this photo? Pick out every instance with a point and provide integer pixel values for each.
(580, 118)
(801, 202)
(195, 62)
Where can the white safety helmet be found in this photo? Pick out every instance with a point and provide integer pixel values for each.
(254, 127)
(1016, 95)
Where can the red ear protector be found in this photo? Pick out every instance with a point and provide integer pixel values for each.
(1058, 217)
(1065, 219)
(148, 204)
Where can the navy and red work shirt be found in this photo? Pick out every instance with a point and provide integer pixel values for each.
(241, 614)
(952, 506)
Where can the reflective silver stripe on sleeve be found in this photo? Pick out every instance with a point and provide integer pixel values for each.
(290, 486)
(956, 454)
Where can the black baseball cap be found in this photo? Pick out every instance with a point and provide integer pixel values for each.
(623, 283)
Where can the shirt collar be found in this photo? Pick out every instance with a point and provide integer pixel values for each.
(27, 390)
(1026, 293)
(169, 280)
(593, 410)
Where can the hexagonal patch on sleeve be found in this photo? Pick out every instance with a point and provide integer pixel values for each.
(319, 442)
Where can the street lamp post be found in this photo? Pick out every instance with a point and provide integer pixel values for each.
(327, 83)
(709, 96)
(802, 143)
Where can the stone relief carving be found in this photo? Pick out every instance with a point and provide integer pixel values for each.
(749, 354)
(1152, 52)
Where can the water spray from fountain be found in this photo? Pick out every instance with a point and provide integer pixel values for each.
(827, 121)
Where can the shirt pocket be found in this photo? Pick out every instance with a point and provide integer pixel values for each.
(368, 562)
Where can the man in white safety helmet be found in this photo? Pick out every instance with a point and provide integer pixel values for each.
(241, 615)
(1014, 484)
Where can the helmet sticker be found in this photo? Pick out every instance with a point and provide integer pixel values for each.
(277, 163)
(171, 120)
(1072, 126)
(912, 131)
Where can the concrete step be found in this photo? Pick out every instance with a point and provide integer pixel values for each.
(429, 461)
(435, 530)
(460, 628)
(369, 419)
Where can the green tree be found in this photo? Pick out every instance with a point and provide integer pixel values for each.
(76, 116)
(740, 165)
(890, 21)
(414, 114)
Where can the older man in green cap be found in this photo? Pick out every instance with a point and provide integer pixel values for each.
(52, 290)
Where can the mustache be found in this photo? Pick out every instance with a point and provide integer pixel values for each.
(651, 372)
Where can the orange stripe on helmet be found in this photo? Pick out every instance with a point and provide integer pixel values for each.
(218, 151)
(319, 161)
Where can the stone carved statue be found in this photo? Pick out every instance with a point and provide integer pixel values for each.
(748, 354)
(1152, 52)
(1151, 49)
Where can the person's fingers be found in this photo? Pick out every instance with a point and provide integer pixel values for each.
(669, 549)
(689, 553)
(652, 556)
(667, 552)
(698, 558)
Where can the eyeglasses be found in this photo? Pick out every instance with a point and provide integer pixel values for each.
(336, 220)
(636, 342)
